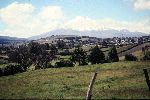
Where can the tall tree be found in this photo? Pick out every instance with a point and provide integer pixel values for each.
(96, 56)
(112, 55)
(80, 56)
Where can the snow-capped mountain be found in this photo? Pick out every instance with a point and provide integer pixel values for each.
(93, 33)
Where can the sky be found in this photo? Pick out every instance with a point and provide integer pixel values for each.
(26, 18)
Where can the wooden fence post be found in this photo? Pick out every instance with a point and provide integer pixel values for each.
(89, 92)
(147, 78)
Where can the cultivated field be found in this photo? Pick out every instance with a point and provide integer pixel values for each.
(120, 80)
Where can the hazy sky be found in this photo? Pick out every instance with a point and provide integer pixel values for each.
(25, 18)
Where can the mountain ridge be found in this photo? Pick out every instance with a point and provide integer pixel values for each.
(92, 33)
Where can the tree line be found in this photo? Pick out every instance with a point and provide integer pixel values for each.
(96, 56)
(41, 55)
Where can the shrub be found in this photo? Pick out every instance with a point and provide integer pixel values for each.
(11, 69)
(49, 65)
(64, 63)
(130, 57)
(147, 56)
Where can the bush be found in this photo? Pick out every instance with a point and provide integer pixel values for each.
(130, 57)
(49, 65)
(64, 63)
(10, 70)
(147, 56)
(84, 63)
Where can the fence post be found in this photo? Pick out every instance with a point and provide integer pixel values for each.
(147, 78)
(89, 92)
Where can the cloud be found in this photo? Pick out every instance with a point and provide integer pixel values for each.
(24, 20)
(142, 4)
(85, 23)
(81, 23)
(51, 12)
(15, 13)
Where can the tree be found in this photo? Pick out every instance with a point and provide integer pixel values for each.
(47, 46)
(35, 48)
(53, 49)
(61, 44)
(40, 57)
(80, 56)
(112, 55)
(21, 56)
(42, 60)
(34, 53)
(96, 56)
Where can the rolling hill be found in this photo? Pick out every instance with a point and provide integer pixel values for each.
(7, 39)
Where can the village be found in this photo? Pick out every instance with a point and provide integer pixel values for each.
(73, 41)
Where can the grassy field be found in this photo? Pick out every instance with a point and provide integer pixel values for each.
(120, 80)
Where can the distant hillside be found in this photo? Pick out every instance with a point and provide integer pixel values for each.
(133, 49)
(100, 34)
(7, 39)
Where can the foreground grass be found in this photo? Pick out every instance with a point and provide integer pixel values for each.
(120, 80)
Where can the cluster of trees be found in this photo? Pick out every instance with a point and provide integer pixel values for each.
(96, 56)
(40, 55)
(61, 44)
(33, 53)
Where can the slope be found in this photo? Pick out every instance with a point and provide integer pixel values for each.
(122, 80)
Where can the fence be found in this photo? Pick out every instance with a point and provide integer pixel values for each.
(89, 92)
